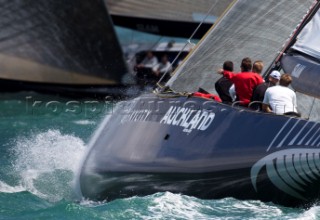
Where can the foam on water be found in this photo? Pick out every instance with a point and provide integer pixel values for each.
(5, 188)
(311, 214)
(45, 163)
(174, 206)
(84, 122)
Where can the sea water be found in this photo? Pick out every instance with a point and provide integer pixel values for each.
(42, 143)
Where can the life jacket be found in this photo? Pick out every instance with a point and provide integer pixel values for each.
(207, 96)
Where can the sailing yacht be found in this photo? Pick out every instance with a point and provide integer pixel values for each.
(66, 47)
(172, 141)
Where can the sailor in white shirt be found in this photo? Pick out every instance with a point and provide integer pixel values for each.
(163, 67)
(280, 99)
(144, 70)
(150, 61)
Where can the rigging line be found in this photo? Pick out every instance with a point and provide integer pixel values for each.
(312, 106)
(188, 42)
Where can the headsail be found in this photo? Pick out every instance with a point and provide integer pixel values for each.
(166, 17)
(256, 29)
(59, 42)
(303, 59)
(308, 41)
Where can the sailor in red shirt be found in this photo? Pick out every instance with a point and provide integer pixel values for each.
(244, 82)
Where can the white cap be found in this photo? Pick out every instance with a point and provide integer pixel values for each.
(275, 74)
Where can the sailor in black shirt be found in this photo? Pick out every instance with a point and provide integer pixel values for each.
(223, 85)
(260, 90)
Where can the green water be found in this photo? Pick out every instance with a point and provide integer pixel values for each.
(43, 140)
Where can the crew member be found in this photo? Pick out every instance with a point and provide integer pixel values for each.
(148, 62)
(257, 67)
(280, 99)
(260, 90)
(244, 82)
(223, 85)
(163, 67)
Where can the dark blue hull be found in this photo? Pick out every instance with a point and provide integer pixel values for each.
(204, 149)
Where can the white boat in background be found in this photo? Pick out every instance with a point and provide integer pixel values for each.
(167, 17)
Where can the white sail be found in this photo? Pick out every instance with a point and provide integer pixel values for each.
(256, 29)
(308, 41)
(302, 60)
